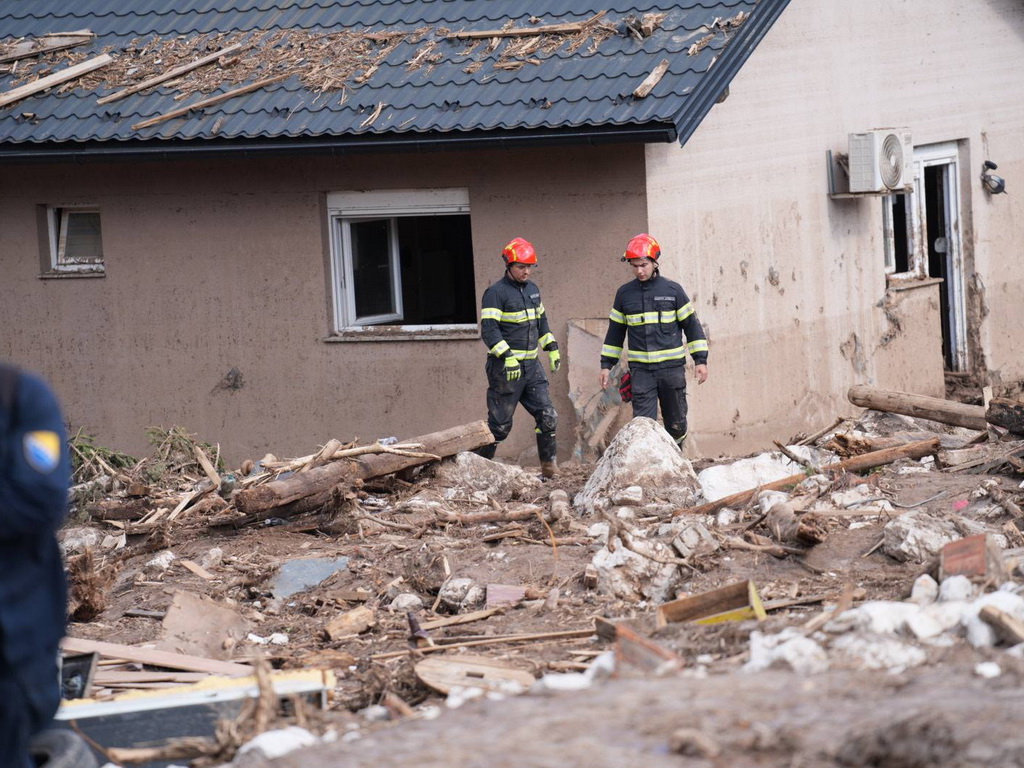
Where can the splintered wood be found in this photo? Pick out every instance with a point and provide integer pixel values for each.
(322, 61)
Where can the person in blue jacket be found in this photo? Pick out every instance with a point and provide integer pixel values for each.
(35, 473)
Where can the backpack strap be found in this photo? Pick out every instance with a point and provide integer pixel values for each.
(8, 386)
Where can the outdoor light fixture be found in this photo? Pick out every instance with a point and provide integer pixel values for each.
(994, 185)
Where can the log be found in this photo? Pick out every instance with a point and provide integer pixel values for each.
(1008, 414)
(856, 464)
(934, 408)
(320, 480)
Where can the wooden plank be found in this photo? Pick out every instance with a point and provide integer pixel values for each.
(569, 634)
(211, 101)
(156, 658)
(651, 80)
(169, 74)
(55, 79)
(129, 678)
(197, 569)
(52, 43)
(207, 465)
(635, 650)
(547, 29)
(464, 618)
(442, 673)
(732, 602)
(934, 408)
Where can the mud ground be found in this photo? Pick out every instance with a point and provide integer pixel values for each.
(712, 713)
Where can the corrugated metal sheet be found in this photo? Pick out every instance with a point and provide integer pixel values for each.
(589, 88)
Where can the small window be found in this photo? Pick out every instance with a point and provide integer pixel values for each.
(402, 258)
(76, 242)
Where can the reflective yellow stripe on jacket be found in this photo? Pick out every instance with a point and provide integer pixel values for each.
(522, 316)
(659, 356)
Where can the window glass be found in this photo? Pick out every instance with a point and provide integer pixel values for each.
(81, 243)
(371, 267)
(402, 258)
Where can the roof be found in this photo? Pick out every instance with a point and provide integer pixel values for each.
(370, 73)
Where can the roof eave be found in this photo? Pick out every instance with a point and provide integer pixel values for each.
(97, 151)
(713, 84)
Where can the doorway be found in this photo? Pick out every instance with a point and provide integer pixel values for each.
(936, 204)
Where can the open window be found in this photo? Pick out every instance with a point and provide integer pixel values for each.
(402, 258)
(75, 242)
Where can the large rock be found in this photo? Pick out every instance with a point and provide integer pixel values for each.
(629, 575)
(472, 473)
(723, 480)
(642, 454)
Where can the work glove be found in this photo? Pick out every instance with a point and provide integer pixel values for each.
(626, 387)
(556, 359)
(512, 369)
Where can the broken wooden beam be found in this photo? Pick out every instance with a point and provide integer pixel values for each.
(320, 480)
(651, 80)
(211, 101)
(168, 75)
(860, 463)
(922, 406)
(69, 73)
(46, 44)
(156, 658)
(547, 29)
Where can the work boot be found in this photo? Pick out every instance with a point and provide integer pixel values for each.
(548, 468)
(487, 451)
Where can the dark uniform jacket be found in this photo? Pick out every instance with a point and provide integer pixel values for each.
(512, 320)
(34, 478)
(655, 314)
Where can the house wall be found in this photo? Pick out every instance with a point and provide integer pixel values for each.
(790, 284)
(221, 265)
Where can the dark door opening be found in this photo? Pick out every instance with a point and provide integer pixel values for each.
(937, 239)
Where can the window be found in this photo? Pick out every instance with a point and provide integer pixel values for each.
(402, 258)
(75, 241)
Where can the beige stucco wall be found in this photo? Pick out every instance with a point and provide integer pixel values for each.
(222, 264)
(790, 284)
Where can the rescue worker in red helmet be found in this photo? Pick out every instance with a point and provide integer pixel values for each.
(655, 313)
(513, 324)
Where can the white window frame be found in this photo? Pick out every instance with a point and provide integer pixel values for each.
(57, 224)
(344, 208)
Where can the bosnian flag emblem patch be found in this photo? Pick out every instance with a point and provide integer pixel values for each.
(42, 450)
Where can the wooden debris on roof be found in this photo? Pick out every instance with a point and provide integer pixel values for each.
(149, 83)
(651, 80)
(55, 79)
(23, 49)
(323, 61)
(211, 101)
(547, 29)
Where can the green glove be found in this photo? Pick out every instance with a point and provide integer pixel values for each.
(556, 360)
(512, 368)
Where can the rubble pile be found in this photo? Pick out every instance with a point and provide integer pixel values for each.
(405, 578)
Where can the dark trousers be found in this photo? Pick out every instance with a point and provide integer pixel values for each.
(28, 702)
(666, 386)
(530, 389)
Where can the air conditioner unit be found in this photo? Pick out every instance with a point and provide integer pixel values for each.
(881, 160)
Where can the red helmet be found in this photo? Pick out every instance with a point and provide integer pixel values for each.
(643, 246)
(519, 251)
